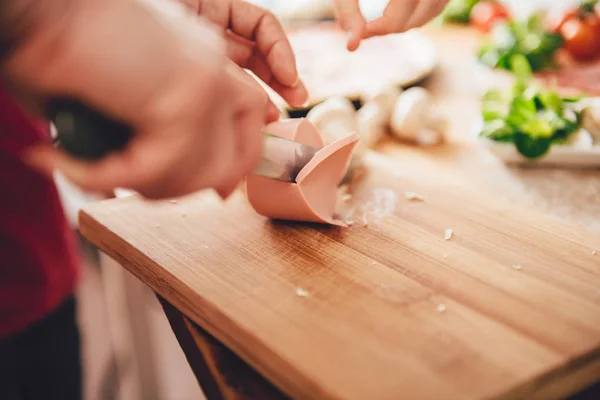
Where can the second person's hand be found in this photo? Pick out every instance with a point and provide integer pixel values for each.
(399, 16)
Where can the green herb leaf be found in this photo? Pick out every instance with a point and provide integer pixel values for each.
(522, 111)
(538, 128)
(552, 101)
(459, 11)
(498, 130)
(519, 66)
(530, 117)
(527, 39)
(532, 147)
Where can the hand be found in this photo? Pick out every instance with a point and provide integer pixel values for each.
(197, 116)
(398, 16)
(256, 41)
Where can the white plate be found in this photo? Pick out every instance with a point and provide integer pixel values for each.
(557, 156)
(329, 70)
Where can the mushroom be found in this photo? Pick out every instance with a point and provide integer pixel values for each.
(371, 124)
(590, 118)
(384, 96)
(334, 118)
(413, 119)
(580, 140)
(373, 118)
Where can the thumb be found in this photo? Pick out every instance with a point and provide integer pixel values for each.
(352, 21)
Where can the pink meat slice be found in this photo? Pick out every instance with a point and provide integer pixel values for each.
(314, 195)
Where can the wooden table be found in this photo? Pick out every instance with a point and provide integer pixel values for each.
(556, 361)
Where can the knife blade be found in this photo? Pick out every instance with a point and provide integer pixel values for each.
(88, 134)
(282, 159)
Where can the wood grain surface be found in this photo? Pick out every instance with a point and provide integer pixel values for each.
(507, 308)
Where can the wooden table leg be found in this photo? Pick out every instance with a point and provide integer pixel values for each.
(222, 375)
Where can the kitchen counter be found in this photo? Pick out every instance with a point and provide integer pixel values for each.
(571, 195)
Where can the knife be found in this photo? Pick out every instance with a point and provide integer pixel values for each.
(88, 134)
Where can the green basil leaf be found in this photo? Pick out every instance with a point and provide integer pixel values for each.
(519, 66)
(538, 129)
(493, 112)
(532, 147)
(459, 10)
(490, 57)
(526, 38)
(553, 120)
(522, 111)
(552, 101)
(494, 95)
(550, 43)
(498, 130)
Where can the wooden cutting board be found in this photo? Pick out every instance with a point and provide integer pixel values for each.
(509, 307)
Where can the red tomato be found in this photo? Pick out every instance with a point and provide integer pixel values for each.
(486, 13)
(558, 16)
(582, 36)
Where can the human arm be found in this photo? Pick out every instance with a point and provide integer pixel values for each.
(196, 116)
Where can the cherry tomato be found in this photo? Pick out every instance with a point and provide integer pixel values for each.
(558, 16)
(582, 36)
(486, 13)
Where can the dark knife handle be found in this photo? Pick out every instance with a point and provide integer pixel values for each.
(84, 132)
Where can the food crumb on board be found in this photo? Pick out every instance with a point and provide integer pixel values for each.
(183, 215)
(594, 252)
(365, 221)
(445, 255)
(173, 201)
(374, 263)
(448, 234)
(301, 292)
(157, 225)
(413, 196)
(441, 308)
(346, 197)
(517, 267)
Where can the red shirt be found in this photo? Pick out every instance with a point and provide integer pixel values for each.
(38, 265)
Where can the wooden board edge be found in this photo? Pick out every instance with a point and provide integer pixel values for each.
(295, 388)
(235, 378)
(193, 355)
(579, 374)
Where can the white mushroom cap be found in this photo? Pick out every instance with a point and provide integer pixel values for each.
(581, 140)
(591, 118)
(371, 124)
(335, 118)
(412, 118)
(384, 96)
